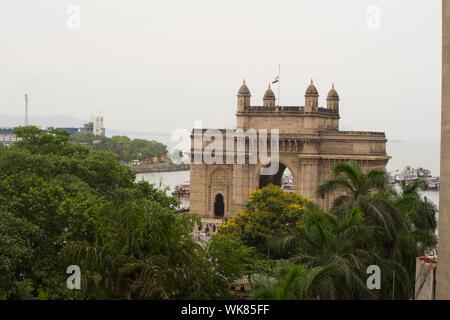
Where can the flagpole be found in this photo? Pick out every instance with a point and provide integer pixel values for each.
(279, 83)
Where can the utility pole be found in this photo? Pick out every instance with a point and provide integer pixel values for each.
(26, 110)
(279, 84)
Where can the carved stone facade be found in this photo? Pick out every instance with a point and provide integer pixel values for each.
(310, 143)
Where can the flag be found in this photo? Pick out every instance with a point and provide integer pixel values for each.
(277, 78)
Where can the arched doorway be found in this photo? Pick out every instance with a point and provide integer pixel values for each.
(283, 178)
(219, 206)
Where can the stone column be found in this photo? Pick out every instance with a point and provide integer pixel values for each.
(443, 266)
(198, 201)
(309, 171)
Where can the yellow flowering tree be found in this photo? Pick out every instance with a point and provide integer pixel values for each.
(269, 210)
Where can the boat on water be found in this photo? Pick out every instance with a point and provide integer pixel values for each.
(423, 173)
(182, 192)
(287, 183)
(434, 183)
(410, 174)
(181, 189)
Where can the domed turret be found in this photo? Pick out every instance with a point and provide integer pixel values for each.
(311, 98)
(311, 91)
(333, 100)
(332, 94)
(269, 98)
(243, 97)
(243, 90)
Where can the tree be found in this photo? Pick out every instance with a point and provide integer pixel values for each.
(143, 253)
(17, 238)
(419, 211)
(356, 188)
(347, 247)
(234, 260)
(420, 217)
(125, 148)
(55, 195)
(50, 141)
(268, 210)
(294, 282)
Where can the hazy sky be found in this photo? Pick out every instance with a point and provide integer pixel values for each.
(160, 65)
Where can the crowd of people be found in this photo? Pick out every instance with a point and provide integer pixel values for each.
(207, 231)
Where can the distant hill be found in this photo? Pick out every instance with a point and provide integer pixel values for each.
(43, 121)
(65, 121)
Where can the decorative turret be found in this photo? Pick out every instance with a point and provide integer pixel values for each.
(311, 98)
(243, 97)
(333, 100)
(269, 98)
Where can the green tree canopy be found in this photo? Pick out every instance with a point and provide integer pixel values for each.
(63, 203)
(268, 210)
(125, 148)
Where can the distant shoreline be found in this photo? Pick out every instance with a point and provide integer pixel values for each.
(163, 167)
(397, 141)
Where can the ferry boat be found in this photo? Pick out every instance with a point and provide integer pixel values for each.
(181, 189)
(408, 174)
(434, 183)
(411, 174)
(182, 192)
(423, 173)
(287, 183)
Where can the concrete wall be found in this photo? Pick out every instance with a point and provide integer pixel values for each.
(425, 274)
(443, 268)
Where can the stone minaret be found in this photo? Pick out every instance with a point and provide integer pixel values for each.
(311, 98)
(243, 97)
(443, 266)
(269, 98)
(333, 100)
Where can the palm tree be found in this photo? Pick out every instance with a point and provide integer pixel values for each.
(356, 188)
(293, 282)
(345, 246)
(421, 212)
(426, 216)
(420, 216)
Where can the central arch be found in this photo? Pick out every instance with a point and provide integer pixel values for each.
(282, 178)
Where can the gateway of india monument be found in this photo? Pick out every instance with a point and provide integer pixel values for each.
(310, 144)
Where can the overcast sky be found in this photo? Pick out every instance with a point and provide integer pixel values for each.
(160, 65)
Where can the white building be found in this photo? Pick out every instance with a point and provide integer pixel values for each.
(97, 128)
(8, 137)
